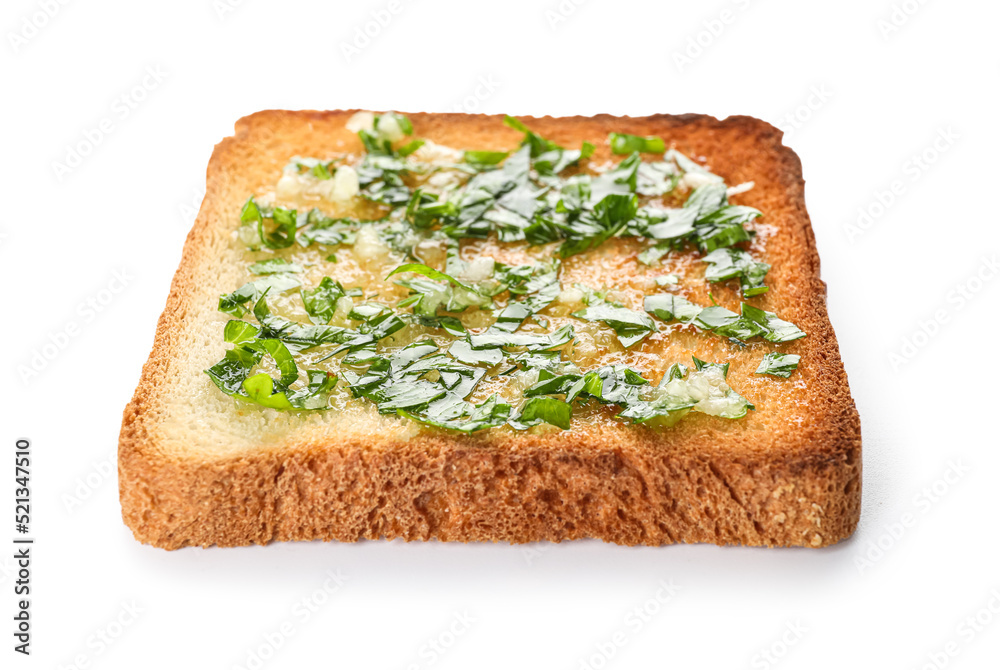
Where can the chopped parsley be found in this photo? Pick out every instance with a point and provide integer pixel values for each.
(321, 302)
(232, 373)
(667, 307)
(731, 263)
(631, 327)
(546, 410)
(751, 322)
(235, 303)
(778, 365)
(626, 144)
(485, 159)
(280, 232)
(538, 193)
(704, 390)
(430, 272)
(273, 266)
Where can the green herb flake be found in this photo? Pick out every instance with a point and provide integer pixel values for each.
(547, 410)
(775, 330)
(778, 365)
(727, 264)
(626, 144)
(321, 302)
(631, 327)
(667, 307)
(235, 303)
(274, 265)
(430, 272)
(485, 159)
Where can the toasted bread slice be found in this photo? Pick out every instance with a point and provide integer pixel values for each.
(197, 467)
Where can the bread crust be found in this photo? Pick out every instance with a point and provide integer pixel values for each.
(785, 486)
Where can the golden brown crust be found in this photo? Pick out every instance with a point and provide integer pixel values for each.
(786, 485)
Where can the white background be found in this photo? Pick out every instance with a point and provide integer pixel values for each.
(871, 98)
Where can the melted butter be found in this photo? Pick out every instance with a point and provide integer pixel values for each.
(612, 265)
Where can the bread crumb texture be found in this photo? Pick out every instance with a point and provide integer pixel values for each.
(197, 468)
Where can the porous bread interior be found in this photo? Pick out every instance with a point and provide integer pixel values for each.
(179, 415)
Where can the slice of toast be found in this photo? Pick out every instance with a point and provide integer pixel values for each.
(198, 467)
